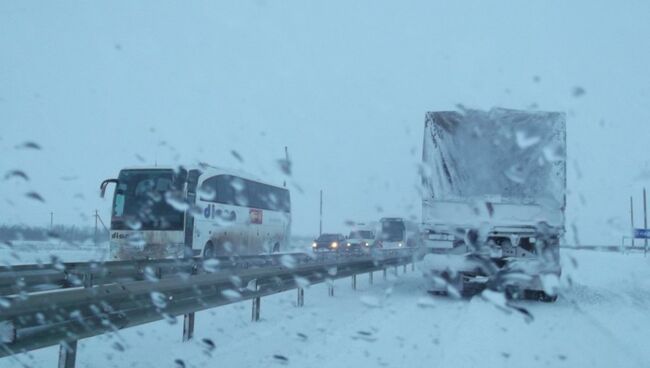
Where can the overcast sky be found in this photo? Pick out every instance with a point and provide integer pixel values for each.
(344, 84)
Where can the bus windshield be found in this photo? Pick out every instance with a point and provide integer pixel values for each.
(392, 230)
(361, 234)
(139, 202)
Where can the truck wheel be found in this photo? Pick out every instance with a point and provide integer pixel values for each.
(545, 298)
(209, 251)
(540, 296)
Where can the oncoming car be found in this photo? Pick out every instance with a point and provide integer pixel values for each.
(331, 242)
(360, 240)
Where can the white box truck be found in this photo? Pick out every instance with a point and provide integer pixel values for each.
(493, 200)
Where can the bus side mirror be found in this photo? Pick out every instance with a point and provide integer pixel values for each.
(102, 187)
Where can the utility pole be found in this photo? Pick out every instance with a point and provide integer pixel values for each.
(286, 160)
(645, 222)
(632, 219)
(320, 227)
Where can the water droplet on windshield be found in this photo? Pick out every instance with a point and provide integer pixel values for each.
(207, 193)
(159, 299)
(578, 91)
(35, 196)
(281, 359)
(288, 261)
(176, 200)
(29, 145)
(57, 263)
(211, 265)
(231, 295)
(236, 155)
(16, 174)
(524, 140)
(4, 302)
(117, 346)
(553, 153)
(150, 274)
(515, 174)
(133, 223)
(426, 302)
(208, 345)
(301, 281)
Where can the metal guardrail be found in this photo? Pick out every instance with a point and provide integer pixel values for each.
(128, 295)
(50, 276)
(607, 248)
(42, 277)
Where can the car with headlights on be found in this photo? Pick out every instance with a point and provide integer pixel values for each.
(360, 240)
(328, 242)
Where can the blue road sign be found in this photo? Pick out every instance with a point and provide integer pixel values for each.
(642, 233)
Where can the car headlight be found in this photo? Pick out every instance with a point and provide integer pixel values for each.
(314, 245)
(335, 244)
(349, 244)
(399, 245)
(366, 244)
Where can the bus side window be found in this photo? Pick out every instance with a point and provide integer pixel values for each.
(209, 190)
(253, 191)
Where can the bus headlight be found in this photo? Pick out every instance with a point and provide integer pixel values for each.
(314, 245)
(335, 244)
(366, 244)
(349, 244)
(399, 245)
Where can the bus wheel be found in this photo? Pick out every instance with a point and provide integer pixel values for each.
(209, 251)
(276, 247)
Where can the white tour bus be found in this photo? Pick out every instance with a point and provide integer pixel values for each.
(165, 212)
(395, 232)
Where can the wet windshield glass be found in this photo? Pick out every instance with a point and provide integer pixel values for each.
(324, 183)
(328, 237)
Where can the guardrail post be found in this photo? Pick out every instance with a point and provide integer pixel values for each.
(257, 303)
(354, 282)
(301, 297)
(395, 270)
(370, 277)
(188, 318)
(188, 326)
(330, 289)
(87, 280)
(413, 266)
(404, 268)
(385, 276)
(67, 354)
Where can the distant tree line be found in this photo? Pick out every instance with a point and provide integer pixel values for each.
(61, 232)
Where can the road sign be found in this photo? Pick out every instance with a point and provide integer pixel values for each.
(642, 233)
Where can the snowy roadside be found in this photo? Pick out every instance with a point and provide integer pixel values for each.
(32, 252)
(599, 321)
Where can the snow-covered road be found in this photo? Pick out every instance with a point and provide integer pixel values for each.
(602, 319)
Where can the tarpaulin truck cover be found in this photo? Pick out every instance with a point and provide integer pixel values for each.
(499, 167)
